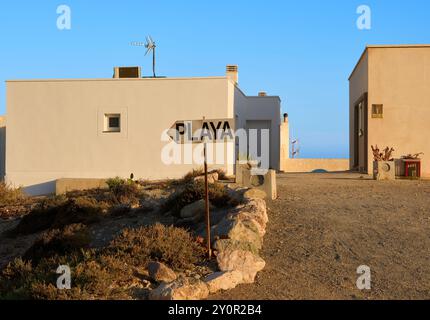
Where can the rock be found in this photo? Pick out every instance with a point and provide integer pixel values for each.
(244, 261)
(236, 192)
(160, 272)
(223, 280)
(194, 211)
(229, 244)
(255, 194)
(240, 230)
(212, 177)
(181, 289)
(253, 210)
(251, 221)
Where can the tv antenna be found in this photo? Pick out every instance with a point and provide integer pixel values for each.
(150, 46)
(295, 148)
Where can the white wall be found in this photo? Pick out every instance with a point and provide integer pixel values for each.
(2, 147)
(261, 108)
(54, 128)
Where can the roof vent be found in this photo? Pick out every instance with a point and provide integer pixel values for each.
(262, 94)
(232, 72)
(127, 72)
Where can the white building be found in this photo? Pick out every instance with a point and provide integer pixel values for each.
(102, 128)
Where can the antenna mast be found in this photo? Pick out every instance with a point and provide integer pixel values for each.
(150, 46)
(295, 148)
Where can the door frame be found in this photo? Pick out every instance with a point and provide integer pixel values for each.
(364, 101)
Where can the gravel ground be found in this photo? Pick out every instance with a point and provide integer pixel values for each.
(324, 226)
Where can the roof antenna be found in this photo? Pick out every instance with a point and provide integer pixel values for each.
(150, 46)
(295, 148)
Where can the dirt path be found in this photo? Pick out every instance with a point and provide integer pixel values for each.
(323, 226)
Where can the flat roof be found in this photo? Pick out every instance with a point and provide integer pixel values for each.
(387, 46)
(120, 79)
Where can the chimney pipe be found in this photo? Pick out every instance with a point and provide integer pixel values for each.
(232, 73)
(285, 117)
(262, 94)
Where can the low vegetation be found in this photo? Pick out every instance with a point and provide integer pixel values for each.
(195, 191)
(107, 273)
(68, 231)
(58, 213)
(9, 195)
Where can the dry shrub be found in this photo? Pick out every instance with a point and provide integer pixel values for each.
(105, 274)
(57, 213)
(90, 279)
(172, 246)
(195, 191)
(10, 196)
(221, 174)
(59, 241)
(123, 191)
(190, 176)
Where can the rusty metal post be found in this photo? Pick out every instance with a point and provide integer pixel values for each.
(208, 218)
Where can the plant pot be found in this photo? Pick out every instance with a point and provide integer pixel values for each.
(384, 170)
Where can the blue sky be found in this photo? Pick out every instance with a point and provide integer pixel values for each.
(302, 51)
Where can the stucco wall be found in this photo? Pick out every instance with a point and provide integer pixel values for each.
(261, 108)
(285, 143)
(358, 86)
(2, 147)
(311, 165)
(57, 126)
(399, 78)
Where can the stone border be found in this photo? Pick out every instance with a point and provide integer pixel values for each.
(238, 240)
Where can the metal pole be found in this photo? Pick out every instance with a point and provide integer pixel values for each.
(153, 62)
(208, 221)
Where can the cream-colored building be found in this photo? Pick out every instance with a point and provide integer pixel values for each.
(101, 128)
(2, 147)
(390, 104)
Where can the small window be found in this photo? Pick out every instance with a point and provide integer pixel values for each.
(112, 123)
(377, 111)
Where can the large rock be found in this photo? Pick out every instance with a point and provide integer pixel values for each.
(181, 289)
(160, 272)
(255, 194)
(239, 230)
(223, 280)
(229, 244)
(253, 211)
(244, 261)
(194, 211)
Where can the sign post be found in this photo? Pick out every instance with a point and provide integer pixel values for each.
(207, 209)
(207, 130)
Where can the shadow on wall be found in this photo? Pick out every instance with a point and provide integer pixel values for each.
(42, 189)
(2, 152)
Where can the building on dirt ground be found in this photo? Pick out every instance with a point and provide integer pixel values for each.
(102, 128)
(390, 104)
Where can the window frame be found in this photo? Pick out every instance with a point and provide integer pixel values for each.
(107, 119)
(375, 109)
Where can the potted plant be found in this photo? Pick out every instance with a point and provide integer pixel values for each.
(384, 167)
